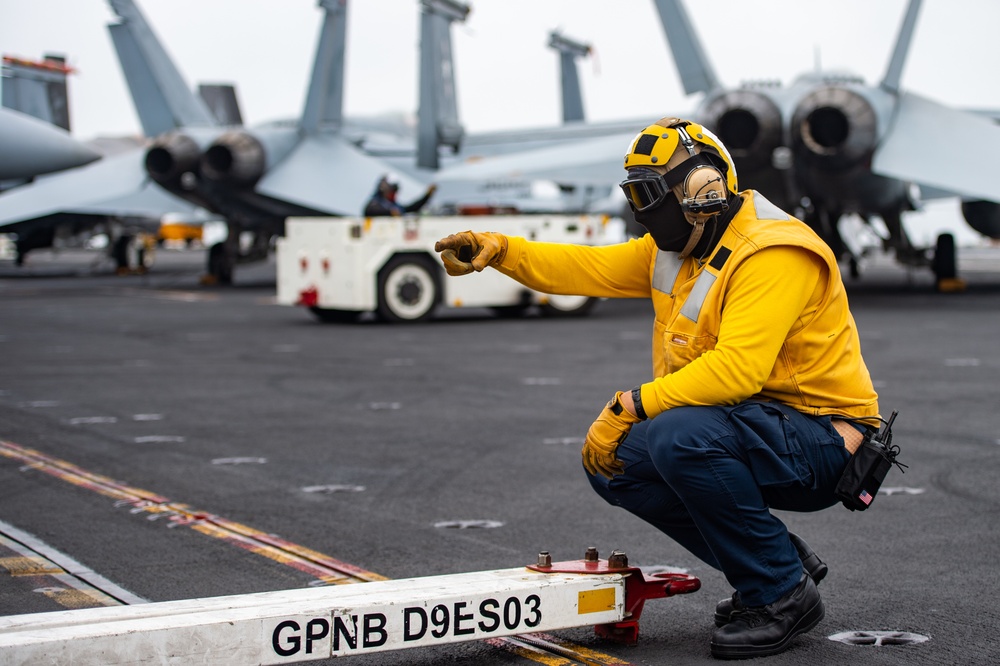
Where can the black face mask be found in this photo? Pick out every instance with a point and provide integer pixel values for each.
(670, 229)
(666, 224)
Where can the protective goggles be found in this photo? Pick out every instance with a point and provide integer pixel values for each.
(645, 189)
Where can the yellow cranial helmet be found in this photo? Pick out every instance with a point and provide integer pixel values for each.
(656, 144)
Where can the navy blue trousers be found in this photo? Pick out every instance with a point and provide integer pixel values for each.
(708, 477)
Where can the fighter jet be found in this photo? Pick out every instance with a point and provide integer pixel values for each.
(30, 147)
(322, 164)
(830, 145)
(256, 177)
(113, 194)
(319, 164)
(34, 122)
(824, 147)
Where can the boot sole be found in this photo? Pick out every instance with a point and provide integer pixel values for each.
(809, 620)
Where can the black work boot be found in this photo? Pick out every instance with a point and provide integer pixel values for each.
(813, 566)
(766, 630)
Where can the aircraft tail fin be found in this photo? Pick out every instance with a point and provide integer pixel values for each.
(37, 88)
(437, 122)
(572, 97)
(161, 97)
(325, 100)
(220, 98)
(894, 72)
(692, 64)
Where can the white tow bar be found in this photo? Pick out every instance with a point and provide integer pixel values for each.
(319, 623)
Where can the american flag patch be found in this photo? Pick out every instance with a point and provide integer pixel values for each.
(865, 497)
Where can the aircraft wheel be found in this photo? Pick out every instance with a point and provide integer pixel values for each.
(854, 267)
(220, 266)
(408, 289)
(331, 316)
(945, 264)
(120, 252)
(567, 306)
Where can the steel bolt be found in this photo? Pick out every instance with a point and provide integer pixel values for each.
(590, 555)
(618, 559)
(544, 559)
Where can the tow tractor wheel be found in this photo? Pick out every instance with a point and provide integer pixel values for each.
(331, 316)
(567, 306)
(407, 289)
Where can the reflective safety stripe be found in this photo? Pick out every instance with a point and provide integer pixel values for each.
(692, 306)
(665, 270)
(767, 210)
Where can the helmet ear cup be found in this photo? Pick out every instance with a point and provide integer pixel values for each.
(704, 191)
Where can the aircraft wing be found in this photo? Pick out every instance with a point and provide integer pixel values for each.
(592, 161)
(924, 146)
(115, 186)
(328, 174)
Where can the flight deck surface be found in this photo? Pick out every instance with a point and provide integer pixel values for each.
(166, 441)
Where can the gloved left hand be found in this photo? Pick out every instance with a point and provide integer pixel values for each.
(604, 436)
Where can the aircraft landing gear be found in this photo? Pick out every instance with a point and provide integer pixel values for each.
(133, 255)
(220, 265)
(945, 265)
(240, 246)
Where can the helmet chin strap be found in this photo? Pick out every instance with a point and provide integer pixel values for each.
(696, 232)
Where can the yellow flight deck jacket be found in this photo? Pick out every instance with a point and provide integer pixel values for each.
(765, 317)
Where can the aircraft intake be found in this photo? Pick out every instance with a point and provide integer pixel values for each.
(170, 156)
(235, 157)
(834, 128)
(748, 123)
(983, 216)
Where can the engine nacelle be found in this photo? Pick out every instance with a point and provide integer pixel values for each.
(239, 158)
(834, 128)
(170, 156)
(235, 157)
(749, 124)
(983, 216)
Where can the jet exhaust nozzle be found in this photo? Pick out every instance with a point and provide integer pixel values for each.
(235, 157)
(749, 124)
(834, 128)
(170, 156)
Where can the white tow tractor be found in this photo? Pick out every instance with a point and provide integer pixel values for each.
(341, 267)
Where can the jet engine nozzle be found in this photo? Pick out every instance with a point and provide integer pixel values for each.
(749, 124)
(834, 128)
(170, 156)
(235, 157)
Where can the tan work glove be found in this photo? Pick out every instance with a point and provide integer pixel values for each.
(604, 436)
(469, 251)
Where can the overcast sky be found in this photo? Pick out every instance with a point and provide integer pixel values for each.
(506, 74)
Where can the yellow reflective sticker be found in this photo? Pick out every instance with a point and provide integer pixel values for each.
(595, 601)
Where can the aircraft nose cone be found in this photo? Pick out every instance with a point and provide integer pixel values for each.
(30, 147)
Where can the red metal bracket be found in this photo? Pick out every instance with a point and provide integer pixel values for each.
(638, 588)
(308, 297)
